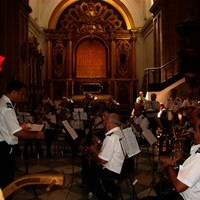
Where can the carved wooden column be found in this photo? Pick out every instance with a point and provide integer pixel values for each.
(69, 58)
(111, 72)
(69, 65)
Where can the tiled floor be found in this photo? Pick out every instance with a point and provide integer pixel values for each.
(72, 188)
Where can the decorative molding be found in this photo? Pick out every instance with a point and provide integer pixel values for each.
(90, 17)
(118, 5)
(122, 54)
(59, 52)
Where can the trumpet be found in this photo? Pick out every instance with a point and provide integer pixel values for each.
(67, 100)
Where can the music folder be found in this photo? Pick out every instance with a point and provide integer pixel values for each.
(129, 142)
(149, 136)
(35, 127)
(69, 129)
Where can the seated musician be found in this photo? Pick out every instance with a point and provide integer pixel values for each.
(109, 157)
(187, 181)
(138, 122)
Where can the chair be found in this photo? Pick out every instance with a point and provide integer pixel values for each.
(113, 187)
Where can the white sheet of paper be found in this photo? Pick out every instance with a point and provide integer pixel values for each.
(80, 115)
(78, 110)
(70, 130)
(35, 127)
(130, 143)
(149, 136)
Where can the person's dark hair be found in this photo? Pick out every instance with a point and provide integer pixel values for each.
(15, 85)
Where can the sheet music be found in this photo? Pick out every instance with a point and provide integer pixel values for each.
(79, 114)
(149, 136)
(78, 110)
(70, 130)
(35, 127)
(129, 142)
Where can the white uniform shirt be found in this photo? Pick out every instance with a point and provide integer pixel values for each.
(188, 103)
(111, 150)
(189, 174)
(52, 119)
(153, 107)
(174, 104)
(142, 121)
(8, 120)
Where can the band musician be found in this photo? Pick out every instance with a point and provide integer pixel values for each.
(187, 181)
(152, 107)
(109, 157)
(10, 130)
(138, 121)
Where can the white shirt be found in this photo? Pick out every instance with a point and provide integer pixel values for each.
(152, 108)
(189, 174)
(52, 119)
(188, 103)
(174, 104)
(111, 150)
(8, 120)
(142, 121)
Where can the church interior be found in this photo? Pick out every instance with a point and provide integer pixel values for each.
(107, 49)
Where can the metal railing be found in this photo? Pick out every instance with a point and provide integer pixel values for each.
(158, 76)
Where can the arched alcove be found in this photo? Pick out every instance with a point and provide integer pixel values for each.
(91, 59)
(98, 48)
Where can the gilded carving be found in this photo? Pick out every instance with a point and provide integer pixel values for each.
(122, 51)
(91, 17)
(98, 34)
(59, 58)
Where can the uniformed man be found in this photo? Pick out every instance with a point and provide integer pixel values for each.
(152, 108)
(109, 156)
(10, 130)
(173, 106)
(187, 180)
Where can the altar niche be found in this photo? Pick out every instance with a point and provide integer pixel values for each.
(91, 48)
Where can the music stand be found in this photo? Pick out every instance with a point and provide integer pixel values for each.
(152, 140)
(68, 128)
(130, 148)
(79, 114)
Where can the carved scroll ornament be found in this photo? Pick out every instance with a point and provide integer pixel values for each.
(59, 59)
(91, 17)
(122, 51)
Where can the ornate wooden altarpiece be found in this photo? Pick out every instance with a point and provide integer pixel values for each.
(91, 49)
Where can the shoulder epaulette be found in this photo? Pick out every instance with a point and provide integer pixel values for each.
(198, 150)
(9, 105)
(110, 134)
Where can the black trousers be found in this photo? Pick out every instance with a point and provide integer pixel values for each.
(7, 164)
(101, 182)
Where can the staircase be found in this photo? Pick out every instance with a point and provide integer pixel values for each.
(161, 80)
(158, 78)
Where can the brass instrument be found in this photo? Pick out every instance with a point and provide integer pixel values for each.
(88, 100)
(34, 179)
(179, 153)
(95, 144)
